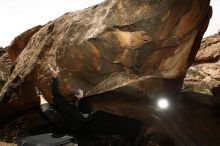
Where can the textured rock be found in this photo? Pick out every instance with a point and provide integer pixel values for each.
(204, 75)
(6, 65)
(145, 44)
(1, 48)
(21, 41)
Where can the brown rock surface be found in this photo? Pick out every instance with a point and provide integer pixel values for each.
(21, 41)
(204, 75)
(6, 65)
(110, 45)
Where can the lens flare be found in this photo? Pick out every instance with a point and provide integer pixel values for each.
(163, 103)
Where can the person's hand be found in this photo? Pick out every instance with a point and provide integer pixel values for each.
(40, 95)
(79, 93)
(54, 73)
(42, 100)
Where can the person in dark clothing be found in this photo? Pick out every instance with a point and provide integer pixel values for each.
(68, 116)
(78, 119)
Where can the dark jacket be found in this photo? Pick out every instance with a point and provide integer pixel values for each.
(66, 116)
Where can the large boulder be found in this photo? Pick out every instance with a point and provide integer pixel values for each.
(204, 75)
(142, 47)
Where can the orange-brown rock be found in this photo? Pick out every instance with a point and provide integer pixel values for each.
(21, 41)
(204, 75)
(142, 47)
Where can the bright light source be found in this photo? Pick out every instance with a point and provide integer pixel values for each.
(163, 103)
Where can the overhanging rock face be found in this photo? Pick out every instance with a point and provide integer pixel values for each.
(148, 44)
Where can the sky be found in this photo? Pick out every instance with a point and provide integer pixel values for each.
(16, 16)
(214, 25)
